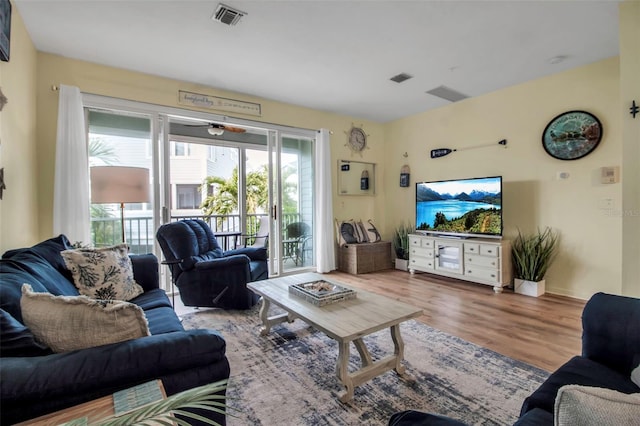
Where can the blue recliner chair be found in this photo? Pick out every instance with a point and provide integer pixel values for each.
(206, 275)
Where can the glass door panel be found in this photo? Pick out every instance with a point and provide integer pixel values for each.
(449, 257)
(122, 139)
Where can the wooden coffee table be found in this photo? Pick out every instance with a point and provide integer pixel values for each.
(345, 321)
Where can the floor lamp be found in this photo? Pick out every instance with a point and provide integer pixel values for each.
(119, 184)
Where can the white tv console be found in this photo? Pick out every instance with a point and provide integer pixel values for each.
(481, 260)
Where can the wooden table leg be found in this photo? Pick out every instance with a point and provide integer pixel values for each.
(268, 321)
(365, 356)
(398, 349)
(343, 373)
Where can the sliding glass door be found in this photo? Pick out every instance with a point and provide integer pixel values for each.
(241, 177)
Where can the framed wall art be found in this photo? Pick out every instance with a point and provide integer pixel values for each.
(572, 135)
(5, 29)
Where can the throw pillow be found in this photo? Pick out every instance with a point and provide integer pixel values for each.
(577, 405)
(67, 323)
(346, 232)
(361, 232)
(374, 235)
(635, 373)
(103, 273)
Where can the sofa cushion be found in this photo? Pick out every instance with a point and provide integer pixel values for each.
(418, 418)
(67, 323)
(49, 250)
(577, 371)
(535, 417)
(17, 340)
(103, 273)
(156, 298)
(585, 405)
(163, 320)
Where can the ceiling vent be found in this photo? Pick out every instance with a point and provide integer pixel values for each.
(227, 15)
(401, 77)
(447, 93)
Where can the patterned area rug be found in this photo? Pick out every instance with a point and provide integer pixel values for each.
(288, 377)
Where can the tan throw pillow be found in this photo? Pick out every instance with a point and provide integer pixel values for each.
(103, 273)
(67, 323)
(584, 405)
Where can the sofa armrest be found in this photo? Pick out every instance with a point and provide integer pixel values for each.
(611, 331)
(145, 270)
(108, 367)
(254, 253)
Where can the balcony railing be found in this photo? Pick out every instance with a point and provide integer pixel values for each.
(140, 232)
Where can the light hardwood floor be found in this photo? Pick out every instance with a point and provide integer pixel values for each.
(542, 331)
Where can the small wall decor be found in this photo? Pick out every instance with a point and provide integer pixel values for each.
(572, 135)
(5, 29)
(404, 176)
(356, 139)
(441, 152)
(633, 110)
(215, 102)
(364, 180)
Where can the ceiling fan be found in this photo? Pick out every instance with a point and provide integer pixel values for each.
(216, 129)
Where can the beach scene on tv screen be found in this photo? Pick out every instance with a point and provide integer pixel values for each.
(467, 206)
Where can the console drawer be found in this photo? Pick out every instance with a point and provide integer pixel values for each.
(490, 275)
(421, 242)
(421, 252)
(484, 261)
(489, 250)
(472, 248)
(421, 263)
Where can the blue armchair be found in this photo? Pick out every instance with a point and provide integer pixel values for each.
(206, 275)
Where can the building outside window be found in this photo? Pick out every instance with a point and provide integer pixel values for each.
(188, 196)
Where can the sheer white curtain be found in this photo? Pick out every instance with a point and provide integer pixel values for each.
(71, 182)
(323, 236)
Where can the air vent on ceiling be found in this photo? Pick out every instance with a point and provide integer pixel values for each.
(227, 15)
(401, 77)
(447, 93)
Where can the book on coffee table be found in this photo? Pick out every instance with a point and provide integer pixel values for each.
(127, 400)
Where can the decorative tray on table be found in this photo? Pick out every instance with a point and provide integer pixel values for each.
(321, 292)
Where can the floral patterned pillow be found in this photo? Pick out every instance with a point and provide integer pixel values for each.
(103, 273)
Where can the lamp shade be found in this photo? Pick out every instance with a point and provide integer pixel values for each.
(118, 184)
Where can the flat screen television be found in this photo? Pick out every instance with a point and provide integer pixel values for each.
(460, 207)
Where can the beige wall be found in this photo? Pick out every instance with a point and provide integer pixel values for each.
(19, 205)
(590, 259)
(630, 90)
(118, 83)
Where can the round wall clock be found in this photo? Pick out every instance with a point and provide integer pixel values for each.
(356, 139)
(572, 135)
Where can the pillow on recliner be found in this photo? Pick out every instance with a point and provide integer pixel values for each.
(578, 405)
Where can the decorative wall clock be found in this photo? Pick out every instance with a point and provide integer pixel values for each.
(356, 139)
(572, 135)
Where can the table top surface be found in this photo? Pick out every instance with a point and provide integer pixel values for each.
(346, 320)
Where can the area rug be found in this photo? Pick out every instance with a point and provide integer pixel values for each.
(288, 377)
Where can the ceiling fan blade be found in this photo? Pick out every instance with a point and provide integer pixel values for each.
(234, 129)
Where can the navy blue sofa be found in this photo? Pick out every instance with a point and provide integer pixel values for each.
(610, 351)
(34, 381)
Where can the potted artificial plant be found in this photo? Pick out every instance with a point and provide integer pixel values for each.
(532, 254)
(401, 246)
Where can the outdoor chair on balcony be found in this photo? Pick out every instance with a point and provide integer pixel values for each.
(297, 241)
(206, 275)
(261, 237)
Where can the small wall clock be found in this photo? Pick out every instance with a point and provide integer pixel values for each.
(572, 135)
(356, 139)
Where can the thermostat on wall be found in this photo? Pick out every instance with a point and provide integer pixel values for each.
(610, 174)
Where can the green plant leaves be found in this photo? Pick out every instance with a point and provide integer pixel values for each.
(532, 254)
